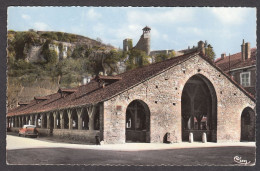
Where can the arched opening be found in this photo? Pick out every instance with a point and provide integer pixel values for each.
(51, 121)
(137, 122)
(38, 120)
(23, 120)
(96, 119)
(74, 118)
(44, 121)
(85, 119)
(199, 109)
(66, 120)
(248, 125)
(58, 121)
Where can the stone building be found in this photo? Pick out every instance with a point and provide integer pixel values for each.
(241, 66)
(167, 100)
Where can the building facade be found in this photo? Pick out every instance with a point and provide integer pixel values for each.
(241, 67)
(166, 100)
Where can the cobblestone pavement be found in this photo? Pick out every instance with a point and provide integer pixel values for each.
(22, 150)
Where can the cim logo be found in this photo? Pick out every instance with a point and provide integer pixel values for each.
(239, 160)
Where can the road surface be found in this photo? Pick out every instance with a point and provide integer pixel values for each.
(31, 151)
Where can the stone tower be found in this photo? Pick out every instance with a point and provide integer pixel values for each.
(127, 44)
(144, 41)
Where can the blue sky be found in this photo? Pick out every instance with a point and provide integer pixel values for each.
(172, 27)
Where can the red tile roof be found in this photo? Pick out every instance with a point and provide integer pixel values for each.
(92, 92)
(236, 61)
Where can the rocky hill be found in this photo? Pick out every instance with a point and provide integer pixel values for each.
(40, 62)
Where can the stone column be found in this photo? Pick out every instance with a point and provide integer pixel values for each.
(16, 122)
(26, 120)
(70, 118)
(19, 121)
(91, 114)
(55, 120)
(32, 119)
(79, 113)
(61, 120)
(42, 120)
(48, 121)
(12, 121)
(36, 120)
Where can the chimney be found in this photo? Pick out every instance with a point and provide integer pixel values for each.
(247, 51)
(223, 55)
(243, 50)
(201, 47)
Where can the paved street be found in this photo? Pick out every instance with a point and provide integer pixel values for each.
(22, 150)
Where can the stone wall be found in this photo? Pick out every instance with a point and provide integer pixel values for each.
(144, 44)
(162, 94)
(80, 135)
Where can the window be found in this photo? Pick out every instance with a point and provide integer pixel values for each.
(245, 79)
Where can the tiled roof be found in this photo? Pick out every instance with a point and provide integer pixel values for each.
(236, 61)
(93, 93)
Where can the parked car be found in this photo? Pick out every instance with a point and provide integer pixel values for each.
(28, 130)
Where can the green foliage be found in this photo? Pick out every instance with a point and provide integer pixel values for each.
(49, 55)
(19, 44)
(164, 56)
(209, 51)
(137, 58)
(78, 52)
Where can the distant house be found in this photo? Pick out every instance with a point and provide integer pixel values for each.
(241, 66)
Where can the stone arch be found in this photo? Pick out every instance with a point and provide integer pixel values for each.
(85, 119)
(248, 124)
(199, 109)
(74, 119)
(137, 122)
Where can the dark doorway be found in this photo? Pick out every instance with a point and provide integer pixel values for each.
(137, 122)
(199, 109)
(248, 125)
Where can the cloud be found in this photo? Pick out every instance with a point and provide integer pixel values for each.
(190, 30)
(171, 15)
(230, 16)
(26, 17)
(92, 14)
(41, 26)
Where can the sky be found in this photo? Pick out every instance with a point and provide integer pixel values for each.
(171, 27)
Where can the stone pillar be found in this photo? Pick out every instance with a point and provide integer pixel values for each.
(61, 120)
(32, 119)
(91, 114)
(16, 121)
(70, 118)
(79, 113)
(48, 121)
(42, 120)
(26, 120)
(191, 137)
(11, 123)
(204, 137)
(36, 120)
(55, 120)
(19, 121)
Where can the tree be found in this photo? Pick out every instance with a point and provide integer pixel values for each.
(209, 52)
(164, 56)
(137, 58)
